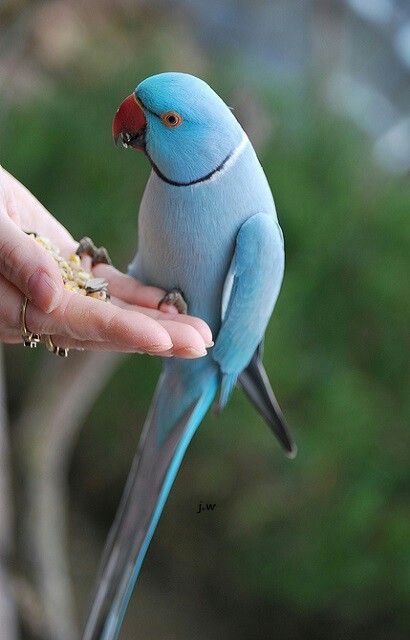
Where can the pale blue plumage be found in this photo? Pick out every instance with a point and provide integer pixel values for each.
(218, 240)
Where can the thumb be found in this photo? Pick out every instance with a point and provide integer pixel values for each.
(29, 267)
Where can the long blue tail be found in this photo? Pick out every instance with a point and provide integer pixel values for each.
(184, 393)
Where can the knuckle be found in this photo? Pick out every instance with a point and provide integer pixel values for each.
(66, 318)
(108, 325)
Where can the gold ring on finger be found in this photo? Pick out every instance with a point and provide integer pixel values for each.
(53, 348)
(29, 339)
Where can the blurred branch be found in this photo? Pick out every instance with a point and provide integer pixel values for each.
(62, 395)
(8, 618)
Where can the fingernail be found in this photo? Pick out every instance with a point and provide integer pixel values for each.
(162, 354)
(43, 291)
(191, 352)
(210, 344)
(160, 350)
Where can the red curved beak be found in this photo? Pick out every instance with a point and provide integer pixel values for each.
(129, 124)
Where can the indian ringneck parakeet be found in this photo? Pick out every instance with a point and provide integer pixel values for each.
(209, 235)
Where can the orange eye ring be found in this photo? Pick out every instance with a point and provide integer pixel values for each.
(171, 119)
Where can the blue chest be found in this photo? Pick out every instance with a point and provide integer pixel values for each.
(187, 234)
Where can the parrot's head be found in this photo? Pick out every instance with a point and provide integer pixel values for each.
(182, 125)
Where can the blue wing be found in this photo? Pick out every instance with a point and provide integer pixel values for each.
(251, 289)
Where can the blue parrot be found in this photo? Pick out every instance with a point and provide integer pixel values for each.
(208, 235)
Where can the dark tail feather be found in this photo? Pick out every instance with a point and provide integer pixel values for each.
(178, 408)
(255, 382)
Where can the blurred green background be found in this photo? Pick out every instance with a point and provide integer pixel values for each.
(310, 549)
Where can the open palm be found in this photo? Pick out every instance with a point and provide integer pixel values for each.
(132, 323)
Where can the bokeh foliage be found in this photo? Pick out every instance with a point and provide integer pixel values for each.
(316, 547)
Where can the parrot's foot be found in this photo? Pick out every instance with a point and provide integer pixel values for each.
(175, 297)
(98, 255)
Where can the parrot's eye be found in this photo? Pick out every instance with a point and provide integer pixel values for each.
(171, 119)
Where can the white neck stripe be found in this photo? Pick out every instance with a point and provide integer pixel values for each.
(230, 162)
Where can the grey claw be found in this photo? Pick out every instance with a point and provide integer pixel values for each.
(98, 255)
(101, 255)
(86, 246)
(176, 298)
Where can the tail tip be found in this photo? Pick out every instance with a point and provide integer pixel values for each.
(291, 451)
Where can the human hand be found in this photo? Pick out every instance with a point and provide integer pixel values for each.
(132, 323)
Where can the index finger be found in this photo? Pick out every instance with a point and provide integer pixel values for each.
(84, 318)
